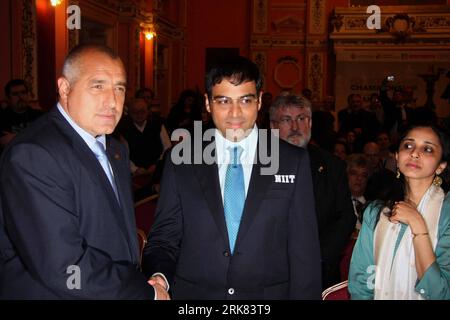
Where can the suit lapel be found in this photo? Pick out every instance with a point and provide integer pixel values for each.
(208, 177)
(317, 167)
(88, 160)
(122, 182)
(255, 195)
(114, 159)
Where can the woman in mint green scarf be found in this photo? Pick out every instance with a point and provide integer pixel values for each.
(403, 249)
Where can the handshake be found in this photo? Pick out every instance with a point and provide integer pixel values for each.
(160, 286)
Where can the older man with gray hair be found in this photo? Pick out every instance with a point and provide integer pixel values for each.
(67, 226)
(291, 115)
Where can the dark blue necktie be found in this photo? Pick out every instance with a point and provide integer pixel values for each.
(234, 194)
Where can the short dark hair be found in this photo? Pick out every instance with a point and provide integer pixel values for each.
(14, 83)
(81, 49)
(141, 91)
(235, 69)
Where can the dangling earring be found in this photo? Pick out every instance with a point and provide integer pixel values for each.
(398, 174)
(437, 181)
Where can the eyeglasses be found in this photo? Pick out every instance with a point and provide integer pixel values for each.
(302, 119)
(227, 102)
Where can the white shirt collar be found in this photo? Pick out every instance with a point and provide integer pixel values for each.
(87, 137)
(361, 199)
(142, 127)
(248, 145)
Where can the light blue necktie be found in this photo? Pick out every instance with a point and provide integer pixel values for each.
(102, 157)
(234, 194)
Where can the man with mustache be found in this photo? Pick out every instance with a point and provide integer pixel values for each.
(291, 115)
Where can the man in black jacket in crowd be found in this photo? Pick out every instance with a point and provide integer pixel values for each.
(292, 116)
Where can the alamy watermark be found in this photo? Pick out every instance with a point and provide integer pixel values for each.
(74, 19)
(372, 270)
(191, 148)
(374, 20)
(74, 280)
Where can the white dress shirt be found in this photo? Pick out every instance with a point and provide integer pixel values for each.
(248, 144)
(363, 201)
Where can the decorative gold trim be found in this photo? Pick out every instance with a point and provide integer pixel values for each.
(401, 26)
(287, 24)
(315, 74)
(260, 59)
(408, 26)
(277, 42)
(278, 74)
(395, 20)
(316, 43)
(29, 50)
(74, 35)
(260, 13)
(393, 56)
(317, 16)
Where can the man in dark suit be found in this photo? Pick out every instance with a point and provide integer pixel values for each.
(230, 229)
(67, 227)
(18, 114)
(398, 114)
(291, 115)
(147, 138)
(357, 119)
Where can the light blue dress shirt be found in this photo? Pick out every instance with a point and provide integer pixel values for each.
(87, 137)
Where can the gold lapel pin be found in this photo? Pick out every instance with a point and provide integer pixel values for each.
(117, 156)
(320, 169)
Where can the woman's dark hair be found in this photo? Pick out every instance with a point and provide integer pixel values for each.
(396, 190)
(178, 117)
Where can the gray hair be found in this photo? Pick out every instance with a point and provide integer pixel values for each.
(290, 100)
(71, 66)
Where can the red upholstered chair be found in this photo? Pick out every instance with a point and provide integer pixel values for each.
(142, 240)
(141, 181)
(145, 212)
(337, 292)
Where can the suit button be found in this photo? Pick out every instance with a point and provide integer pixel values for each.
(231, 291)
(226, 254)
